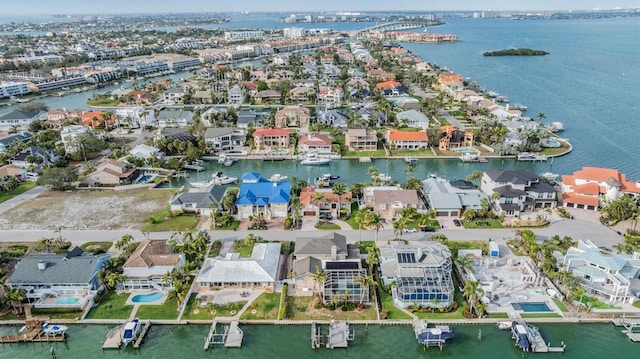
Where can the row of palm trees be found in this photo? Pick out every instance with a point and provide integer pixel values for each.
(13, 297)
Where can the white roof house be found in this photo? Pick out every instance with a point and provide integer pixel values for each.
(261, 270)
(145, 152)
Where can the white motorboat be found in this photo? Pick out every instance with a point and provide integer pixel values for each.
(530, 157)
(504, 325)
(551, 177)
(314, 160)
(278, 178)
(52, 330)
(217, 178)
(411, 160)
(131, 331)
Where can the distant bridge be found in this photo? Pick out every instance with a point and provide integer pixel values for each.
(396, 26)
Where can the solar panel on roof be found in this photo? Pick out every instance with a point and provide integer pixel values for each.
(341, 265)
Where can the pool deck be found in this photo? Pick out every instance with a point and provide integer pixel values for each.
(156, 302)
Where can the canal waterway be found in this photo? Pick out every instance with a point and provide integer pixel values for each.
(293, 341)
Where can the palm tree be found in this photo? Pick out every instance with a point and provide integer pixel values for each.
(398, 227)
(339, 189)
(16, 296)
(372, 258)
(365, 282)
(319, 277)
(375, 220)
(464, 263)
(124, 244)
(47, 242)
(541, 116)
(178, 292)
(472, 291)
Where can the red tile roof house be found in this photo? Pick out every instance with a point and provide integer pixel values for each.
(271, 138)
(322, 200)
(407, 140)
(588, 187)
(314, 142)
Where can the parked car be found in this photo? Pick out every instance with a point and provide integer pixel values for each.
(427, 229)
(409, 230)
(326, 216)
(457, 222)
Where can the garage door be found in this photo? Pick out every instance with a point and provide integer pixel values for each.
(309, 213)
(443, 214)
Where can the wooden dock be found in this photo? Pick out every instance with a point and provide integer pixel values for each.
(146, 326)
(631, 326)
(114, 338)
(209, 337)
(32, 334)
(234, 336)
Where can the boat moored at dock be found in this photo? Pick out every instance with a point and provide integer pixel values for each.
(530, 157)
(313, 160)
(53, 329)
(131, 331)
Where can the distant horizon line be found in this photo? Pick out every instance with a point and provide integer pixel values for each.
(312, 11)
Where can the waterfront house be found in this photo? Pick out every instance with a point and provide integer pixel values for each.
(381, 75)
(452, 198)
(452, 137)
(419, 273)
(449, 82)
(58, 280)
(271, 138)
(96, 119)
(222, 139)
(148, 264)
(174, 95)
(14, 139)
(174, 118)
(19, 119)
(340, 261)
(519, 190)
(314, 142)
(110, 173)
(135, 117)
(202, 202)
(292, 116)
(389, 201)
(56, 117)
(261, 197)
(317, 201)
(604, 273)
(146, 152)
(361, 139)
(302, 94)
(179, 134)
(413, 118)
(250, 118)
(259, 272)
(407, 140)
(590, 186)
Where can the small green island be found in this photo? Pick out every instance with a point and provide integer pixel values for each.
(516, 52)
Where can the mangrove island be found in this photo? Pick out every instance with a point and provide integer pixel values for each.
(516, 52)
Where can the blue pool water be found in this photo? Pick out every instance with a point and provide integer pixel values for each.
(553, 143)
(531, 307)
(145, 178)
(147, 298)
(68, 300)
(465, 150)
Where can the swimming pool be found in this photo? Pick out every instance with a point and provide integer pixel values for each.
(147, 298)
(465, 150)
(146, 178)
(531, 307)
(68, 300)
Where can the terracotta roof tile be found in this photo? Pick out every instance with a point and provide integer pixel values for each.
(397, 135)
(579, 199)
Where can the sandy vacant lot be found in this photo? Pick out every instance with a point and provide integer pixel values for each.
(86, 210)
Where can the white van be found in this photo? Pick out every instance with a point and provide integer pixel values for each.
(31, 176)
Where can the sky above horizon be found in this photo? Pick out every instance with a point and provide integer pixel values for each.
(156, 6)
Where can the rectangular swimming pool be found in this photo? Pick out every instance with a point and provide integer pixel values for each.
(531, 307)
(69, 300)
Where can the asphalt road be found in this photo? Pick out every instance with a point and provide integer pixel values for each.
(577, 229)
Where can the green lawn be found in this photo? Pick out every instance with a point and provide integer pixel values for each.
(541, 315)
(636, 304)
(169, 310)
(393, 312)
(597, 304)
(57, 313)
(111, 306)
(356, 154)
(162, 221)
(96, 247)
(302, 309)
(362, 245)
(328, 226)
(245, 251)
(560, 305)
(232, 227)
(265, 307)
(23, 187)
(196, 312)
(499, 315)
(483, 224)
(12, 316)
(417, 153)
